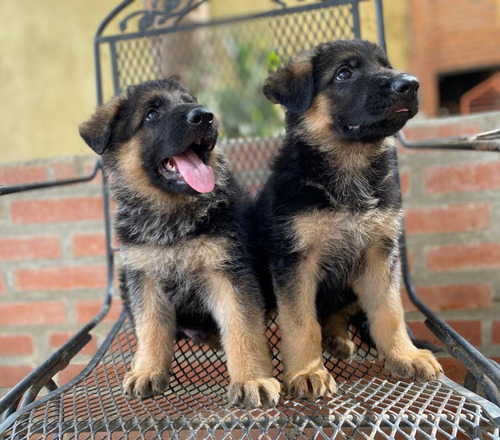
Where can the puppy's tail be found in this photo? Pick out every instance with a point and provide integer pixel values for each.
(360, 322)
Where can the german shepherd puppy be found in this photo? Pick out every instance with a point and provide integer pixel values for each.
(186, 254)
(331, 212)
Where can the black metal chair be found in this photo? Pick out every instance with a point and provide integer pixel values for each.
(224, 60)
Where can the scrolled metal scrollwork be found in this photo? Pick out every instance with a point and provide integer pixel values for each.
(283, 4)
(162, 12)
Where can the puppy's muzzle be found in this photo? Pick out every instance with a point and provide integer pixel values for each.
(406, 85)
(201, 117)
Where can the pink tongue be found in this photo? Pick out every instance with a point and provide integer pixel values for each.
(197, 175)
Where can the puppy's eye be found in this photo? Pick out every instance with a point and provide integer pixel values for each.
(151, 115)
(343, 74)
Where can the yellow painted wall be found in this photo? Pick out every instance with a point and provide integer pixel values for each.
(396, 29)
(47, 75)
(47, 70)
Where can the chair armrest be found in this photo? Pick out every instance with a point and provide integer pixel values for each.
(11, 189)
(487, 141)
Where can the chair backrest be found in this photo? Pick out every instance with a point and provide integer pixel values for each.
(223, 58)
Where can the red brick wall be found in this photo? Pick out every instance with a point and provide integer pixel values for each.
(52, 265)
(452, 213)
(451, 36)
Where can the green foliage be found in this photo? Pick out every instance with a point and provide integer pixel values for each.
(233, 89)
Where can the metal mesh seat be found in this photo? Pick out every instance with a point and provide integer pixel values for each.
(224, 61)
(368, 404)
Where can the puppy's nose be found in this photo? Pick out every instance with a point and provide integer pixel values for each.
(200, 116)
(405, 85)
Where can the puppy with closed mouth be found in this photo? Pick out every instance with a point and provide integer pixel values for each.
(330, 213)
(187, 264)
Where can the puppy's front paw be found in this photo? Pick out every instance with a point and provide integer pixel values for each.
(142, 383)
(312, 385)
(254, 393)
(338, 347)
(419, 365)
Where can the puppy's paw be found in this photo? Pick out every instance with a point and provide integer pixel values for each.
(419, 365)
(254, 393)
(312, 385)
(142, 383)
(339, 347)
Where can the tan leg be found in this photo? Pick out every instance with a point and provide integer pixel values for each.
(301, 348)
(377, 287)
(247, 349)
(336, 338)
(155, 330)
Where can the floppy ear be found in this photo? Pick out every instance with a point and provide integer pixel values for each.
(292, 86)
(97, 130)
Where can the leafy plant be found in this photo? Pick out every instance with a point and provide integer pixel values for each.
(234, 89)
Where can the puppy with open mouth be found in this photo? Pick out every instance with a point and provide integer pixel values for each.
(330, 213)
(187, 264)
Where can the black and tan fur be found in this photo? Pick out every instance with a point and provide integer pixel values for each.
(187, 265)
(331, 212)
